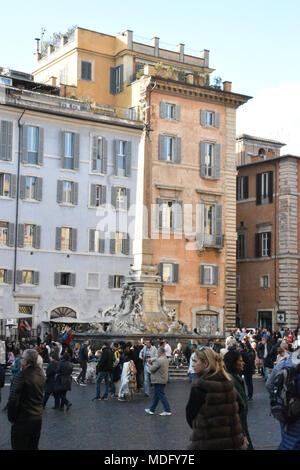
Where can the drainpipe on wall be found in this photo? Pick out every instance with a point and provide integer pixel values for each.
(20, 127)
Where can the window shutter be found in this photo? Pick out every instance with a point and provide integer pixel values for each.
(257, 245)
(161, 147)
(75, 193)
(114, 196)
(175, 272)
(72, 279)
(121, 77)
(11, 235)
(246, 187)
(217, 119)
(104, 156)
(22, 187)
(6, 140)
(57, 279)
(269, 244)
(215, 275)
(207, 278)
(160, 270)
(19, 277)
(162, 110)
(9, 276)
(58, 238)
(201, 158)
(37, 237)
(62, 150)
(128, 198)
(76, 151)
(13, 186)
(202, 272)
(110, 282)
(126, 244)
(202, 117)
(128, 147)
(92, 233)
(270, 178)
(103, 195)
(159, 202)
(217, 162)
(74, 239)
(200, 225)
(112, 247)
(93, 195)
(218, 223)
(116, 142)
(21, 234)
(101, 242)
(36, 278)
(41, 146)
(258, 189)
(25, 144)
(178, 215)
(39, 189)
(94, 152)
(112, 80)
(59, 191)
(177, 112)
(178, 149)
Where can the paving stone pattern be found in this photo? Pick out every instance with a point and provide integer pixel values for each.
(112, 425)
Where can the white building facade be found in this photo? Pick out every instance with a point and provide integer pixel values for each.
(67, 207)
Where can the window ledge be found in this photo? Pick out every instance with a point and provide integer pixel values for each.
(64, 287)
(35, 201)
(34, 165)
(66, 204)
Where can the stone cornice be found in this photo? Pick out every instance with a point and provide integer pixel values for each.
(198, 93)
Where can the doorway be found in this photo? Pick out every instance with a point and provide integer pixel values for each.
(265, 320)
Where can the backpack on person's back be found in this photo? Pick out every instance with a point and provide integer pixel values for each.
(285, 403)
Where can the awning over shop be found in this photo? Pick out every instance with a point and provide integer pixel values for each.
(13, 316)
(74, 320)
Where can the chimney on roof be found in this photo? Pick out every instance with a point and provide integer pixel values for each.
(180, 50)
(155, 44)
(129, 35)
(227, 86)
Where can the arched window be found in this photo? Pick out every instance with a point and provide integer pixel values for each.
(60, 312)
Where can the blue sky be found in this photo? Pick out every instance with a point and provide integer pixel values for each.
(254, 44)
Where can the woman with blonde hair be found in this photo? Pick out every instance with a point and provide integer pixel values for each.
(212, 410)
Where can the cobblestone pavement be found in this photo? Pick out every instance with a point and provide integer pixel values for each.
(112, 425)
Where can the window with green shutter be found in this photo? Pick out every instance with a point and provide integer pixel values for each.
(6, 136)
(116, 79)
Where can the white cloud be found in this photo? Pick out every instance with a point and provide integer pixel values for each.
(274, 113)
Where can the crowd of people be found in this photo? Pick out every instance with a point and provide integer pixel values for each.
(220, 374)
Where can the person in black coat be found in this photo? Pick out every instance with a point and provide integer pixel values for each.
(50, 382)
(64, 380)
(248, 356)
(263, 351)
(104, 371)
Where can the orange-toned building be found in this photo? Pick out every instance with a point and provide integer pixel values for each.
(185, 207)
(268, 241)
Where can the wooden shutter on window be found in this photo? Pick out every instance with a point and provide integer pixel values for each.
(36, 278)
(128, 147)
(9, 276)
(175, 272)
(258, 189)
(104, 156)
(161, 147)
(202, 117)
(160, 270)
(57, 279)
(128, 198)
(41, 146)
(22, 187)
(200, 225)
(94, 152)
(72, 279)
(37, 237)
(114, 196)
(177, 112)
(58, 238)
(101, 241)
(126, 244)
(159, 210)
(76, 150)
(217, 162)
(217, 119)
(13, 186)
(39, 189)
(11, 235)
(116, 145)
(74, 239)
(92, 233)
(121, 77)
(162, 109)
(202, 159)
(270, 181)
(24, 144)
(21, 234)
(269, 244)
(62, 148)
(6, 135)
(75, 193)
(215, 275)
(178, 215)
(59, 191)
(110, 282)
(112, 243)
(218, 214)
(103, 195)
(202, 271)
(178, 149)
(257, 245)
(245, 182)
(93, 193)
(19, 277)
(112, 80)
